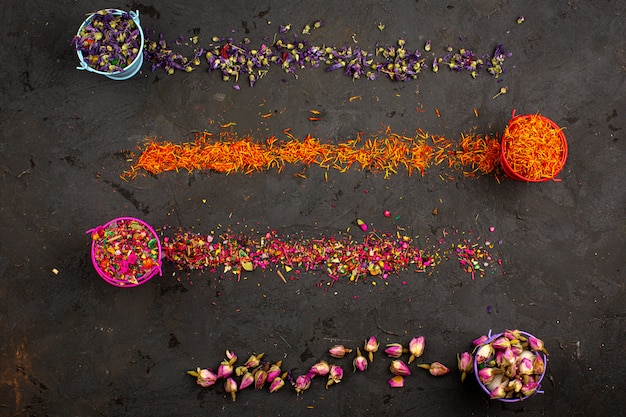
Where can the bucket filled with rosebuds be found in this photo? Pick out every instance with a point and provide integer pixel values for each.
(508, 366)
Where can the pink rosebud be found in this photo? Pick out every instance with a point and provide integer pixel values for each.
(205, 377)
(529, 388)
(525, 366)
(512, 334)
(360, 362)
(231, 357)
(335, 375)
(230, 386)
(396, 382)
(394, 350)
(321, 368)
(246, 380)
(539, 366)
(302, 383)
(536, 345)
(254, 360)
(497, 392)
(486, 375)
(465, 362)
(508, 357)
(398, 367)
(274, 371)
(224, 370)
(435, 368)
(338, 351)
(276, 384)
(482, 339)
(371, 346)
(515, 385)
(416, 347)
(501, 343)
(483, 353)
(260, 377)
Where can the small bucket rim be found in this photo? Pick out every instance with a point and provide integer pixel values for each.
(505, 163)
(490, 339)
(123, 283)
(132, 68)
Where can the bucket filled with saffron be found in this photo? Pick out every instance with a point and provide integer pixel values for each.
(110, 42)
(510, 366)
(534, 148)
(125, 252)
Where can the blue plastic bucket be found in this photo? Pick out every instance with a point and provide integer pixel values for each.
(130, 70)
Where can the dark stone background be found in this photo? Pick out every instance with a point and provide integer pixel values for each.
(74, 345)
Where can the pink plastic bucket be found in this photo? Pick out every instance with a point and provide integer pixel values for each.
(125, 252)
(477, 368)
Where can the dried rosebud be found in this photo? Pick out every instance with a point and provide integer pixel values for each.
(465, 363)
(277, 383)
(240, 370)
(398, 367)
(529, 388)
(536, 345)
(303, 382)
(260, 377)
(335, 375)
(416, 347)
(338, 351)
(508, 357)
(483, 353)
(231, 357)
(321, 369)
(512, 334)
(394, 350)
(396, 382)
(360, 362)
(371, 346)
(539, 366)
(230, 386)
(486, 375)
(246, 380)
(254, 360)
(224, 370)
(482, 339)
(497, 392)
(204, 377)
(525, 366)
(501, 343)
(274, 371)
(515, 385)
(435, 368)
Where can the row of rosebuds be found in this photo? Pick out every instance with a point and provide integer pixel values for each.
(258, 373)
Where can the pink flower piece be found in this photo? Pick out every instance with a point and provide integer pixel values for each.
(398, 367)
(482, 339)
(396, 382)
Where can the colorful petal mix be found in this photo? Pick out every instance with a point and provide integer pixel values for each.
(237, 61)
(385, 152)
(109, 42)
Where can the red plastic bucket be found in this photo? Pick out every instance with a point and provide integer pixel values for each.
(125, 252)
(539, 378)
(538, 164)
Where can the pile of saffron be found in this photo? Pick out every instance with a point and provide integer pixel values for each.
(385, 152)
(534, 147)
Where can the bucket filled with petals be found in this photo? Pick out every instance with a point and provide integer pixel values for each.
(125, 252)
(110, 42)
(533, 149)
(510, 366)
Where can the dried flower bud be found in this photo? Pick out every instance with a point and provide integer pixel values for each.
(230, 386)
(360, 362)
(501, 343)
(338, 351)
(371, 346)
(254, 360)
(396, 382)
(537, 345)
(246, 380)
(416, 347)
(335, 375)
(260, 377)
(277, 383)
(224, 370)
(497, 392)
(483, 353)
(435, 368)
(321, 368)
(482, 339)
(466, 364)
(204, 377)
(398, 367)
(394, 350)
(274, 371)
(303, 382)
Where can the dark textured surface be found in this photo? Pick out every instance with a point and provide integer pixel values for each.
(73, 345)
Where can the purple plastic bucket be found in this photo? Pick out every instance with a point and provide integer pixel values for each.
(517, 399)
(147, 257)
